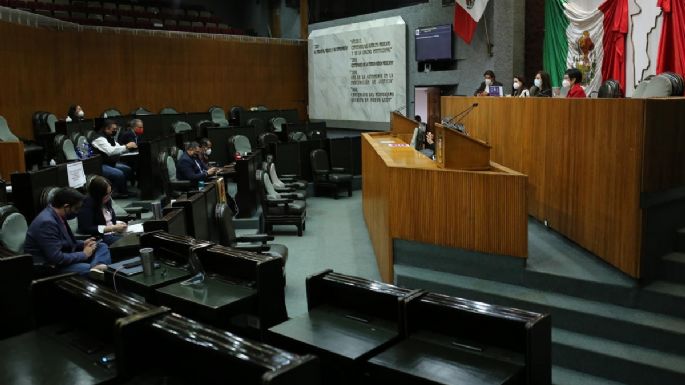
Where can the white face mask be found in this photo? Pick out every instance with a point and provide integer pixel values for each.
(566, 83)
(488, 82)
(517, 85)
(80, 114)
(208, 152)
(538, 83)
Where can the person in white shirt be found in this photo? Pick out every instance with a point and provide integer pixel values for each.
(117, 172)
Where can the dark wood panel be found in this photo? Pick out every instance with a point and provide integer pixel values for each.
(11, 159)
(49, 70)
(664, 166)
(583, 159)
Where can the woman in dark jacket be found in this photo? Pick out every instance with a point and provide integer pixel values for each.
(543, 85)
(97, 216)
(75, 113)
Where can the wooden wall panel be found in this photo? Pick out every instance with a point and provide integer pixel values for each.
(48, 70)
(11, 159)
(583, 159)
(407, 196)
(664, 166)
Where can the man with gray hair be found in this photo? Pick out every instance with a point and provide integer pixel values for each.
(131, 133)
(190, 167)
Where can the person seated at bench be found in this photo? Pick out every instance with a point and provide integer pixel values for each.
(205, 151)
(97, 217)
(191, 168)
(110, 150)
(50, 240)
(75, 113)
(130, 134)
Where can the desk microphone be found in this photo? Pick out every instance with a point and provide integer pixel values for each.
(462, 114)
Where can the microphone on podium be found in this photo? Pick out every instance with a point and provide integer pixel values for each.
(459, 117)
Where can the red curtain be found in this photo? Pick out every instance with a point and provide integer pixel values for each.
(672, 43)
(615, 31)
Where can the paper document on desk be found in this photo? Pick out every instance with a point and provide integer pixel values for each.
(75, 174)
(137, 228)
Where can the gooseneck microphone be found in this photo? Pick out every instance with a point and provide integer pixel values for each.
(458, 118)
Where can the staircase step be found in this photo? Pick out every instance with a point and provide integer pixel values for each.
(565, 376)
(663, 297)
(680, 240)
(672, 267)
(618, 361)
(628, 325)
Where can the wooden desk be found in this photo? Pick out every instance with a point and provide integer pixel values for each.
(589, 163)
(408, 196)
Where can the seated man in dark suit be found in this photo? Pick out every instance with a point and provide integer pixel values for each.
(50, 240)
(190, 166)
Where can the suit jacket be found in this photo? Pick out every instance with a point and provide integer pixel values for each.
(191, 169)
(127, 137)
(50, 241)
(90, 216)
(481, 88)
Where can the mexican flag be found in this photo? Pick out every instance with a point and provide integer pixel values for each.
(467, 14)
(592, 40)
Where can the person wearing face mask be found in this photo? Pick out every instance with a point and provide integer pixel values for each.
(97, 217)
(572, 79)
(190, 167)
(133, 130)
(542, 85)
(51, 242)
(75, 113)
(519, 89)
(489, 80)
(111, 151)
(205, 151)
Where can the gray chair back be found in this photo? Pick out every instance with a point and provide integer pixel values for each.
(13, 228)
(69, 150)
(6, 134)
(168, 111)
(277, 123)
(219, 116)
(50, 120)
(241, 144)
(171, 168)
(111, 112)
(180, 127)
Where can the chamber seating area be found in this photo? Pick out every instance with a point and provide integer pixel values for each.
(152, 14)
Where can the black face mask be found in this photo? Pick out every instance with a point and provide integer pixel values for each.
(71, 215)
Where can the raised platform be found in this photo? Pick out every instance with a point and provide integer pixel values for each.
(607, 327)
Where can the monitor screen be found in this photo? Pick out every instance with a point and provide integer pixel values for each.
(434, 43)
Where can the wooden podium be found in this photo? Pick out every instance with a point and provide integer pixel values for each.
(464, 202)
(459, 151)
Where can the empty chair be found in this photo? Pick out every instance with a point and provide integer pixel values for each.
(610, 89)
(257, 123)
(266, 138)
(69, 150)
(181, 127)
(168, 111)
(235, 114)
(172, 186)
(279, 209)
(251, 242)
(240, 144)
(169, 23)
(13, 228)
(287, 182)
(111, 112)
(325, 176)
(297, 136)
(141, 111)
(33, 154)
(277, 124)
(218, 116)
